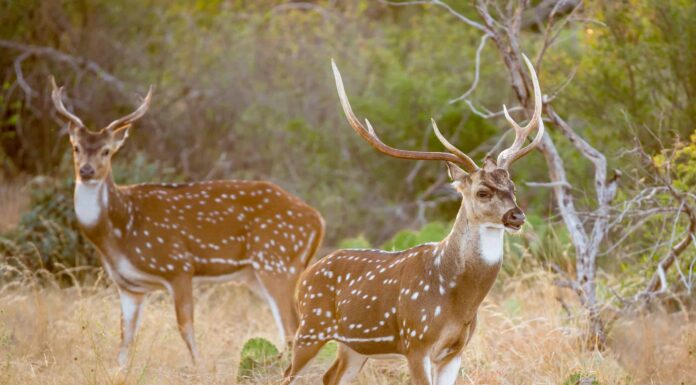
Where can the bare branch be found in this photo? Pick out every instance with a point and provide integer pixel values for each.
(476, 71)
(658, 281)
(28, 91)
(549, 184)
(442, 4)
(58, 56)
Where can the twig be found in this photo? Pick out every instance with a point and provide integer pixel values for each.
(476, 70)
(442, 4)
(549, 184)
(65, 58)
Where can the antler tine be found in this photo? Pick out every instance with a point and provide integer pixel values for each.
(516, 151)
(57, 96)
(135, 115)
(451, 148)
(369, 135)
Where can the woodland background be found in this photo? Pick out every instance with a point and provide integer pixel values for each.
(244, 90)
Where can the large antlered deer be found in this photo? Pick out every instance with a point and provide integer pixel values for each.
(153, 236)
(420, 303)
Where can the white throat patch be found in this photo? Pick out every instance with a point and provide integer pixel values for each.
(89, 200)
(491, 242)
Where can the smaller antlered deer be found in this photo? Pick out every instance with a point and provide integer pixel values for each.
(420, 303)
(153, 236)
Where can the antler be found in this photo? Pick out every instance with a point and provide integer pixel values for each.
(456, 156)
(135, 115)
(57, 96)
(516, 151)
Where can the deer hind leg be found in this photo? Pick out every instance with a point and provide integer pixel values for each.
(131, 308)
(345, 368)
(302, 354)
(279, 293)
(182, 291)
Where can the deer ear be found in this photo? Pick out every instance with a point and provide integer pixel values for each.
(455, 172)
(119, 135)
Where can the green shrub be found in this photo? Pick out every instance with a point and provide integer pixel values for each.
(432, 232)
(259, 358)
(581, 379)
(47, 235)
(359, 242)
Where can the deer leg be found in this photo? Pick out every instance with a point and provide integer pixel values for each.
(279, 293)
(131, 307)
(448, 371)
(182, 291)
(301, 356)
(421, 369)
(345, 368)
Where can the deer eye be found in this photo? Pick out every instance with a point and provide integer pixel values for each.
(76, 149)
(105, 152)
(483, 194)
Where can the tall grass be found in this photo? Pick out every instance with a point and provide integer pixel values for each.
(62, 327)
(50, 335)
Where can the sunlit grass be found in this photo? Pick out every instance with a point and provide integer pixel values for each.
(71, 336)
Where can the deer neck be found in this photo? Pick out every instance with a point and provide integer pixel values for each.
(95, 203)
(472, 247)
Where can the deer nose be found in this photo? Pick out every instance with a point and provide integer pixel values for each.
(86, 171)
(514, 218)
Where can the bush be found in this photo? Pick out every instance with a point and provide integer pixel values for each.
(48, 235)
(432, 232)
(259, 358)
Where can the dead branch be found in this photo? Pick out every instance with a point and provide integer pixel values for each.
(659, 280)
(76, 62)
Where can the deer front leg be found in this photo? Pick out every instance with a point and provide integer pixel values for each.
(421, 368)
(302, 354)
(182, 292)
(131, 307)
(448, 371)
(346, 367)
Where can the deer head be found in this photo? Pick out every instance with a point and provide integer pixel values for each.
(488, 193)
(92, 150)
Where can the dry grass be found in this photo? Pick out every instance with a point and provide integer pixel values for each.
(70, 336)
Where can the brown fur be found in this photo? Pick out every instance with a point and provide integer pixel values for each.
(153, 236)
(420, 303)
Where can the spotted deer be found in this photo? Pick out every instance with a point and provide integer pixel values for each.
(153, 236)
(420, 303)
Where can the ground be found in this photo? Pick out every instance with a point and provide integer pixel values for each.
(50, 335)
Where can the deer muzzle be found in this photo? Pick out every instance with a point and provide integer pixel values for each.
(514, 219)
(87, 172)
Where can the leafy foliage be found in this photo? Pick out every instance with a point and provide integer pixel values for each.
(359, 242)
(244, 90)
(431, 232)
